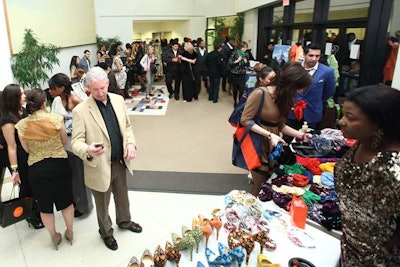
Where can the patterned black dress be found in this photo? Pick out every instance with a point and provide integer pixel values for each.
(369, 197)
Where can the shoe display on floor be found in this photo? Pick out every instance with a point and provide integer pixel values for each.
(172, 253)
(134, 262)
(134, 227)
(147, 259)
(182, 243)
(110, 242)
(159, 257)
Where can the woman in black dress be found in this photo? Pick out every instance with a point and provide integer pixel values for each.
(14, 156)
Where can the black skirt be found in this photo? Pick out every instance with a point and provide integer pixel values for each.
(52, 184)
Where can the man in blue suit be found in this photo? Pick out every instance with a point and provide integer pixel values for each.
(323, 88)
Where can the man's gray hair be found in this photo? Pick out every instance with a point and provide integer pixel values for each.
(95, 74)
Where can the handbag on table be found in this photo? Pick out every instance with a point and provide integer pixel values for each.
(247, 145)
(15, 209)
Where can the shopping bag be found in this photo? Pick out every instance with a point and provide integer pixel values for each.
(15, 210)
(298, 212)
(234, 118)
(247, 145)
(247, 148)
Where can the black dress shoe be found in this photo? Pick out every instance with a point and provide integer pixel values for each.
(111, 243)
(134, 227)
(171, 95)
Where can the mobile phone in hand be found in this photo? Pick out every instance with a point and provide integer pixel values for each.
(99, 144)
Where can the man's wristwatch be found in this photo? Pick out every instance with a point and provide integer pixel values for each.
(88, 157)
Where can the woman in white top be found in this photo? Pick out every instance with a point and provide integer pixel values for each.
(118, 68)
(146, 62)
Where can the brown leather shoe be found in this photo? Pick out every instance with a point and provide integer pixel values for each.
(134, 227)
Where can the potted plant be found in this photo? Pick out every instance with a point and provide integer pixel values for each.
(31, 65)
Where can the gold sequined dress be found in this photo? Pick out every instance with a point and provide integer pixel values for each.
(369, 197)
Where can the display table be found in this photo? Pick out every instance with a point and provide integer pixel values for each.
(325, 253)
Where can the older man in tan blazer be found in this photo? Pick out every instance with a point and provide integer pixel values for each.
(103, 138)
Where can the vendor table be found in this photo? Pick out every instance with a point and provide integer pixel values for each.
(326, 252)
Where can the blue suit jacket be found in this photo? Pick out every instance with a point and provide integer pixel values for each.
(323, 87)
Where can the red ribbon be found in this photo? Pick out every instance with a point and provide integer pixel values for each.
(298, 109)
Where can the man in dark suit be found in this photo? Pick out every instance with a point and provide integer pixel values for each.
(226, 52)
(323, 88)
(200, 68)
(172, 69)
(214, 65)
(84, 63)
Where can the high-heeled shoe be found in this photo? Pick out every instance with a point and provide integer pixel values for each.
(205, 227)
(186, 242)
(241, 238)
(159, 257)
(263, 261)
(216, 223)
(223, 259)
(196, 233)
(134, 262)
(238, 254)
(172, 253)
(200, 264)
(69, 235)
(262, 238)
(56, 239)
(147, 259)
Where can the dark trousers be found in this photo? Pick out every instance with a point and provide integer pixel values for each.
(214, 88)
(295, 124)
(200, 76)
(170, 76)
(119, 188)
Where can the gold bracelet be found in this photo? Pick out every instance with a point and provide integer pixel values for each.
(14, 166)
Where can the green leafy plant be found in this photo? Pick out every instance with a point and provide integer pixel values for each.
(107, 42)
(219, 27)
(31, 65)
(237, 28)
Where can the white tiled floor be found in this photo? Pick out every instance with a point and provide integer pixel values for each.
(158, 213)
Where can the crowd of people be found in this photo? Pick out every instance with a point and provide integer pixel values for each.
(35, 145)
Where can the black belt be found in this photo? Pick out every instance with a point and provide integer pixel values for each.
(269, 124)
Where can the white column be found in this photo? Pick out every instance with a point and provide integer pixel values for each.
(396, 76)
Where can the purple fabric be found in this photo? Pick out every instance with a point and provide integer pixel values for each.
(324, 160)
(282, 200)
(265, 192)
(283, 180)
(330, 207)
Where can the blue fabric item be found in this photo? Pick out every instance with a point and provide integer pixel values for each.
(276, 153)
(321, 144)
(327, 179)
(332, 197)
(309, 175)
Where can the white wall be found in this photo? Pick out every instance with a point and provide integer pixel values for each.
(250, 30)
(5, 69)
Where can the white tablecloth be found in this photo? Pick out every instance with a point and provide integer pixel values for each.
(326, 252)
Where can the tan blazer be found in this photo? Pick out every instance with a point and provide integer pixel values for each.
(88, 126)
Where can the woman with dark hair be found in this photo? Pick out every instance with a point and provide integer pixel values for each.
(43, 136)
(73, 67)
(101, 54)
(64, 101)
(238, 63)
(278, 101)
(12, 111)
(367, 178)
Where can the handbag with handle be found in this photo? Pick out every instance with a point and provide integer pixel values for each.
(247, 145)
(15, 210)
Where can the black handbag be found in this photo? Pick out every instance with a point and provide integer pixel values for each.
(15, 210)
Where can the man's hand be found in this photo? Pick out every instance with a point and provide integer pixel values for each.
(130, 152)
(94, 151)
